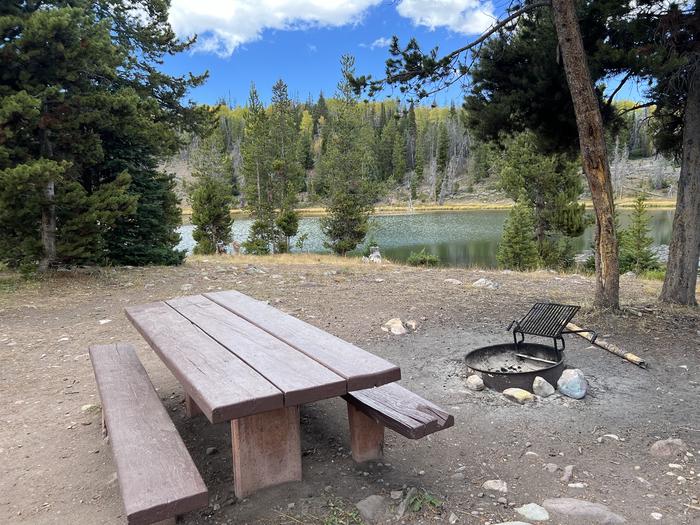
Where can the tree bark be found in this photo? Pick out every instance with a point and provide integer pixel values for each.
(48, 209)
(593, 152)
(48, 227)
(684, 251)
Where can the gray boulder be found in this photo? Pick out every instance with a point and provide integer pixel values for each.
(582, 512)
(373, 508)
(572, 383)
(668, 447)
(541, 387)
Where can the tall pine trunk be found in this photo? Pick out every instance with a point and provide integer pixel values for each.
(593, 152)
(684, 251)
(48, 208)
(48, 227)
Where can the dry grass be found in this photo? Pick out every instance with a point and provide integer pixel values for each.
(401, 209)
(299, 259)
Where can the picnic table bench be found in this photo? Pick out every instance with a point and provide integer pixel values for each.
(242, 361)
(157, 477)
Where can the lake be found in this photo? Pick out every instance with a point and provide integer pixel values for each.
(464, 238)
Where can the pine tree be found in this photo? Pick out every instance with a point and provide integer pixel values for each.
(80, 84)
(442, 159)
(552, 185)
(635, 242)
(211, 195)
(398, 158)
(518, 249)
(350, 203)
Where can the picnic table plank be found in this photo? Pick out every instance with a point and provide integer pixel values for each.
(157, 477)
(300, 378)
(401, 410)
(361, 369)
(223, 386)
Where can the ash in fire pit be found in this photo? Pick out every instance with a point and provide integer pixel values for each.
(510, 366)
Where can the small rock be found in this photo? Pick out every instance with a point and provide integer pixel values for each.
(572, 383)
(211, 451)
(90, 408)
(518, 395)
(502, 501)
(541, 387)
(411, 324)
(372, 508)
(496, 485)
(583, 511)
(396, 494)
(457, 476)
(668, 447)
(486, 283)
(395, 326)
(531, 454)
(550, 467)
(186, 287)
(613, 437)
(291, 505)
(405, 502)
(453, 281)
(474, 382)
(656, 516)
(533, 512)
(577, 485)
(105, 321)
(453, 518)
(568, 473)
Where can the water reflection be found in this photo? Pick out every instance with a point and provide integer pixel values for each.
(458, 238)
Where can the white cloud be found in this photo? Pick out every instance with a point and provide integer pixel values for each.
(224, 25)
(468, 17)
(382, 41)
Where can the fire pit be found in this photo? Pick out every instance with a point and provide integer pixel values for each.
(501, 367)
(517, 364)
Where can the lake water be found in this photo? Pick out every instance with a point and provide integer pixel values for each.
(465, 238)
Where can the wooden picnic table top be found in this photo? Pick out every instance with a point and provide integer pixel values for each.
(236, 356)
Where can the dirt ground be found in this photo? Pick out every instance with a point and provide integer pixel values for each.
(56, 468)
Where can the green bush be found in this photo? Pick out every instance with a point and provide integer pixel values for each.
(422, 258)
(518, 248)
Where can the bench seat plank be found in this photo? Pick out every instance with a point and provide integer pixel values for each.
(222, 385)
(401, 410)
(157, 477)
(361, 369)
(300, 378)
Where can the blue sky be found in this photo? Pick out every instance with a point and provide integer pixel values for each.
(301, 41)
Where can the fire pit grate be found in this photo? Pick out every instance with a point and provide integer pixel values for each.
(545, 320)
(515, 365)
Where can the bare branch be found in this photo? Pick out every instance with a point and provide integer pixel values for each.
(515, 14)
(636, 107)
(618, 88)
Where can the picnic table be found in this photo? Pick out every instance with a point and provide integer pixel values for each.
(243, 361)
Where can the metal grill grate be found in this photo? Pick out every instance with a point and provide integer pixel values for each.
(544, 320)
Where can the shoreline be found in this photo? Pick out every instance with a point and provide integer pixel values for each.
(404, 209)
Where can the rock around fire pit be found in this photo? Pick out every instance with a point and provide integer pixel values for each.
(503, 366)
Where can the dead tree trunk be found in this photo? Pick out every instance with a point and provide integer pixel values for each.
(593, 152)
(684, 251)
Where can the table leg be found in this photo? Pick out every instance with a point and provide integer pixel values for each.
(266, 450)
(366, 436)
(191, 407)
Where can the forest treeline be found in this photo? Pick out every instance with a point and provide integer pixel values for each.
(426, 152)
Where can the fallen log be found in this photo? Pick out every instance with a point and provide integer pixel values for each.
(614, 349)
